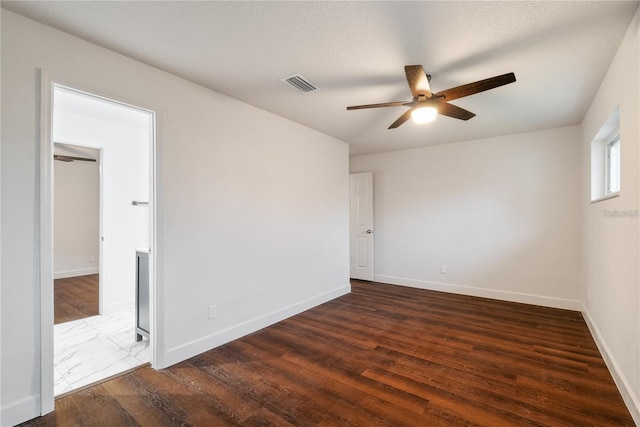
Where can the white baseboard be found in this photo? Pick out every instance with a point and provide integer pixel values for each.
(20, 411)
(629, 397)
(184, 351)
(75, 273)
(566, 304)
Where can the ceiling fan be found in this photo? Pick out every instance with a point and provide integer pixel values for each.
(425, 105)
(72, 158)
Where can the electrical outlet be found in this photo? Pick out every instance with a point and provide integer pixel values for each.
(212, 311)
(443, 269)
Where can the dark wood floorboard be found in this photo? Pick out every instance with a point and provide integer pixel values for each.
(381, 356)
(75, 298)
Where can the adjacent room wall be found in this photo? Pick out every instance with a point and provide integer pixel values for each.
(502, 214)
(611, 230)
(252, 209)
(76, 218)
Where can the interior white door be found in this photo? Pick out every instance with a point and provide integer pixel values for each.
(361, 225)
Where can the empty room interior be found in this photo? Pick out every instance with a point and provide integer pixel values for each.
(341, 213)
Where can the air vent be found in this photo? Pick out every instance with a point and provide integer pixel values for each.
(299, 83)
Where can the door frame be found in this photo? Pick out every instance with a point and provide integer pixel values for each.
(47, 84)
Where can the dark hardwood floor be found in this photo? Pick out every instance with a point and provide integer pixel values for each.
(75, 298)
(383, 355)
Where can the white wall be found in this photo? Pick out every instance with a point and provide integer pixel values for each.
(501, 213)
(125, 146)
(76, 218)
(611, 252)
(252, 209)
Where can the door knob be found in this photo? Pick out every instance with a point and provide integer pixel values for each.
(369, 231)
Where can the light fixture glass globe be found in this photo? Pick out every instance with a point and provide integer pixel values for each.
(424, 114)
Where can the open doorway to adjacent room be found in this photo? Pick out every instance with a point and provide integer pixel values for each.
(76, 230)
(102, 213)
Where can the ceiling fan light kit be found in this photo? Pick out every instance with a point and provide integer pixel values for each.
(424, 114)
(425, 105)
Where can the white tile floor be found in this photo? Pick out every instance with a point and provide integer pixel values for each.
(91, 349)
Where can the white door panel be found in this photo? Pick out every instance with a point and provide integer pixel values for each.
(361, 225)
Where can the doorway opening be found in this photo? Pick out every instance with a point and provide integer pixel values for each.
(102, 213)
(76, 230)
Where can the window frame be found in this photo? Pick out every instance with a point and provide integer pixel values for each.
(613, 140)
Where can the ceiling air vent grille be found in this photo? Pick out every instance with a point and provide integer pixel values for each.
(299, 83)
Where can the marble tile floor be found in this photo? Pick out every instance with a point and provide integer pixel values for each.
(95, 348)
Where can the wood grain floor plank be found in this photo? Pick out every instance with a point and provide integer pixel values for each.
(326, 393)
(516, 399)
(183, 395)
(345, 379)
(144, 403)
(75, 298)
(278, 386)
(381, 356)
(226, 401)
(471, 410)
(100, 408)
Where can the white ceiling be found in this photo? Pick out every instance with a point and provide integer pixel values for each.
(355, 52)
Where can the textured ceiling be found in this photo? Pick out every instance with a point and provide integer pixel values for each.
(355, 52)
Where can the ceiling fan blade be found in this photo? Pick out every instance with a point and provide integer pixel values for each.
(72, 158)
(383, 104)
(476, 87)
(62, 158)
(418, 81)
(403, 118)
(454, 111)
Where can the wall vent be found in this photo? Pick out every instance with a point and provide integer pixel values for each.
(299, 83)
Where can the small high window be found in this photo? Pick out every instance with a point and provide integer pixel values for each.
(605, 159)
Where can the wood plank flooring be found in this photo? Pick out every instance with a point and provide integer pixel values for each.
(381, 356)
(75, 298)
